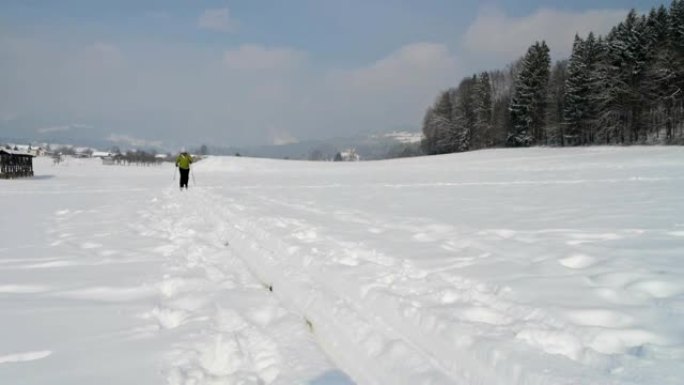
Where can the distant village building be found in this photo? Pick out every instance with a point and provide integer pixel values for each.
(15, 164)
(83, 152)
(101, 154)
(106, 157)
(33, 150)
(349, 155)
(38, 151)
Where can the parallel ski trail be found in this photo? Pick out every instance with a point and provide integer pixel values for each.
(354, 318)
(231, 330)
(287, 251)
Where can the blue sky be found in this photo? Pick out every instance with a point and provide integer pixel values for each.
(254, 72)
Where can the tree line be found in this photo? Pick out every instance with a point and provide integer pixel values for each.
(623, 88)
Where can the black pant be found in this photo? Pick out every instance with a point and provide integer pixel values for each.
(184, 172)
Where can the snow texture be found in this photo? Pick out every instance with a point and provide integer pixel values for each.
(536, 266)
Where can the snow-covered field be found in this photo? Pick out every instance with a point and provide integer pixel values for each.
(500, 267)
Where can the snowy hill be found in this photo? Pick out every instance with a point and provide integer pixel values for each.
(534, 266)
(370, 146)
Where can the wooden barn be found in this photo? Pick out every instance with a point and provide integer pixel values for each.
(15, 164)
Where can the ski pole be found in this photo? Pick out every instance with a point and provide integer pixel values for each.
(193, 177)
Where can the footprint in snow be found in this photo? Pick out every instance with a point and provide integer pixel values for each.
(167, 318)
(657, 288)
(578, 261)
(90, 245)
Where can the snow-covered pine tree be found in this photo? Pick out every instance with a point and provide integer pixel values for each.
(463, 115)
(580, 110)
(602, 94)
(429, 142)
(576, 94)
(633, 60)
(502, 93)
(677, 37)
(623, 68)
(450, 130)
(660, 76)
(438, 127)
(556, 103)
(528, 104)
(482, 130)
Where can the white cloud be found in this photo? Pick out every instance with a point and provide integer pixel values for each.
(391, 92)
(158, 98)
(411, 65)
(494, 32)
(132, 141)
(255, 57)
(217, 20)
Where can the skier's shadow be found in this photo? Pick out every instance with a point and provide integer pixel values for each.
(332, 377)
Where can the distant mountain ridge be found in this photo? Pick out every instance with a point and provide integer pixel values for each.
(371, 146)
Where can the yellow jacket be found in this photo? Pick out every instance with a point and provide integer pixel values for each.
(183, 161)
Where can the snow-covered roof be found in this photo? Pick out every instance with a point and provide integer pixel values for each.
(406, 137)
(101, 154)
(15, 152)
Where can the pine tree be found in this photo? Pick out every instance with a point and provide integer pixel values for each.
(660, 76)
(438, 126)
(448, 135)
(580, 109)
(528, 105)
(623, 71)
(632, 58)
(677, 25)
(576, 93)
(464, 115)
(502, 88)
(676, 32)
(483, 136)
(556, 104)
(428, 143)
(603, 93)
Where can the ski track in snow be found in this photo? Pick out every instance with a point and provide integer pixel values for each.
(391, 316)
(240, 329)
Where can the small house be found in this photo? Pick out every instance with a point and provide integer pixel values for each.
(15, 164)
(349, 155)
(102, 154)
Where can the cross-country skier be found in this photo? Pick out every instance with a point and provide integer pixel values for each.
(183, 163)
